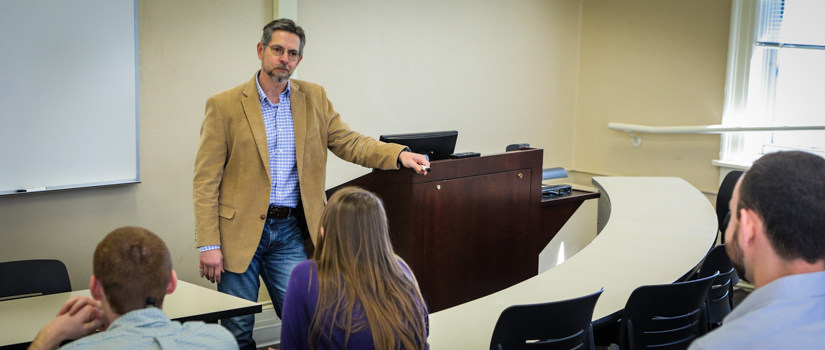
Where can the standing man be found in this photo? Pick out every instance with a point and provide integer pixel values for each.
(260, 173)
(776, 239)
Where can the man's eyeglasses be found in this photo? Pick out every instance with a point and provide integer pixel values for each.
(292, 55)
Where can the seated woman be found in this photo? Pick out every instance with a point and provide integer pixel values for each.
(354, 293)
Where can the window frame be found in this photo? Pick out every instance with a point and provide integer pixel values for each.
(736, 147)
(740, 50)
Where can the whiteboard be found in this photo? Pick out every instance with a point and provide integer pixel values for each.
(68, 94)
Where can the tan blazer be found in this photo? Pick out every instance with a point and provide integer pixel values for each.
(231, 184)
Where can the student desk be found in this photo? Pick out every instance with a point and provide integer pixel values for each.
(21, 319)
(654, 230)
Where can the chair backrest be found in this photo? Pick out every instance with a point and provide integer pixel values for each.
(723, 200)
(555, 325)
(718, 260)
(666, 316)
(720, 295)
(719, 302)
(25, 278)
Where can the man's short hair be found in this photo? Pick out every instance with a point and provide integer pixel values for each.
(286, 25)
(787, 190)
(132, 264)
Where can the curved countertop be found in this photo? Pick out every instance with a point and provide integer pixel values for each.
(658, 229)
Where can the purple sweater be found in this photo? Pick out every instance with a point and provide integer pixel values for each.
(300, 302)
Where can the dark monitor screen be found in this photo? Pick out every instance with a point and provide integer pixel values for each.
(436, 145)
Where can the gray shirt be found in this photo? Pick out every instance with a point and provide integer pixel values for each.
(788, 313)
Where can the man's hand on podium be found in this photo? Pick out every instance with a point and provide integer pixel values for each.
(415, 161)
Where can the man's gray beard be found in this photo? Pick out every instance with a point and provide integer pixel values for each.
(277, 77)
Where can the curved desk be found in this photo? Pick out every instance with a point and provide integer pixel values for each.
(658, 230)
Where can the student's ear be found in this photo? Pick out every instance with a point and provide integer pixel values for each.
(173, 282)
(749, 225)
(321, 233)
(96, 288)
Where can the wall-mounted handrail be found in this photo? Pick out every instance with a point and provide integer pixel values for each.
(636, 140)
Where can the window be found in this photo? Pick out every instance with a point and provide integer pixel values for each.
(776, 76)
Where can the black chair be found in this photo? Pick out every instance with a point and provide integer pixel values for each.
(25, 278)
(723, 200)
(555, 325)
(665, 316)
(720, 296)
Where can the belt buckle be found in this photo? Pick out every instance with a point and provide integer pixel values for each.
(278, 212)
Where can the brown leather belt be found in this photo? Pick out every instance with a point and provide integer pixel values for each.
(279, 212)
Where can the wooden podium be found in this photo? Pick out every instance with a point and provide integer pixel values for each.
(469, 228)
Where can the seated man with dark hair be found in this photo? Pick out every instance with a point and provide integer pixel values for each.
(776, 239)
(132, 274)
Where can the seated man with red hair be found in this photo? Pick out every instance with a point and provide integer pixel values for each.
(132, 273)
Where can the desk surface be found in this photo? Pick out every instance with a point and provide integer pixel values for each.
(658, 229)
(574, 196)
(21, 319)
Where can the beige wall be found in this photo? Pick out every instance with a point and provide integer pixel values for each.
(658, 63)
(498, 71)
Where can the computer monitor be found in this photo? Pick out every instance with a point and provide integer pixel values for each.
(436, 144)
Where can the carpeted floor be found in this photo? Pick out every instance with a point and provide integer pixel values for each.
(739, 295)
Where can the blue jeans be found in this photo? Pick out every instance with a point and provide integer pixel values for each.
(280, 249)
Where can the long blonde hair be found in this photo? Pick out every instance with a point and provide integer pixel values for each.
(358, 269)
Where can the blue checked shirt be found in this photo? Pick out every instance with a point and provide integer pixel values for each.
(280, 140)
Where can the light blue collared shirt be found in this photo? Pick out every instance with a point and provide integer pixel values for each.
(150, 328)
(788, 313)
